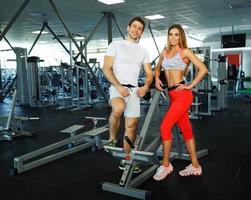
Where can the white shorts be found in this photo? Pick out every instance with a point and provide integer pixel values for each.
(132, 108)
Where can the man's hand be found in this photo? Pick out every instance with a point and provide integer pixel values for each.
(142, 91)
(158, 84)
(123, 91)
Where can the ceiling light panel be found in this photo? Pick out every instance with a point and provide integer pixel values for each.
(154, 17)
(110, 2)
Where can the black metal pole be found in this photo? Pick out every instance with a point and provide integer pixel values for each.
(109, 27)
(62, 21)
(9, 43)
(14, 19)
(0, 81)
(56, 37)
(121, 33)
(38, 36)
(89, 37)
(153, 38)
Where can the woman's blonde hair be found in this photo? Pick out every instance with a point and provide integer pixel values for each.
(183, 40)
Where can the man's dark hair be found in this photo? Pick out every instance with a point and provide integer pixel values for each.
(139, 19)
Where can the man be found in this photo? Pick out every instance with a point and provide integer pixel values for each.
(122, 64)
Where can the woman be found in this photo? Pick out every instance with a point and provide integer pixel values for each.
(175, 60)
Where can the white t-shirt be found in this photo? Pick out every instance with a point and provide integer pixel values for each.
(129, 58)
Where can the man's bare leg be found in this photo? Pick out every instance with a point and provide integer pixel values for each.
(118, 107)
(130, 131)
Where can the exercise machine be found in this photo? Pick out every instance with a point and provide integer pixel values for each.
(76, 142)
(146, 154)
(219, 97)
(203, 91)
(13, 126)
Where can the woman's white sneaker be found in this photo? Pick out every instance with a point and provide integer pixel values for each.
(163, 172)
(191, 171)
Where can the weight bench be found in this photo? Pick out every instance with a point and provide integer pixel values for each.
(43, 155)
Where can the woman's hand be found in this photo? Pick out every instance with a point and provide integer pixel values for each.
(183, 87)
(158, 84)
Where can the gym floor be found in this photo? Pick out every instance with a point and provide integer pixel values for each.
(227, 170)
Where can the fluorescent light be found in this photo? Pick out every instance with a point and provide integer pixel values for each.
(38, 14)
(110, 2)
(79, 38)
(37, 32)
(185, 26)
(153, 17)
(232, 49)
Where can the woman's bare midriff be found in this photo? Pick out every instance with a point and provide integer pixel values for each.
(174, 76)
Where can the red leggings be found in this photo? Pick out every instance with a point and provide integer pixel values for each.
(180, 101)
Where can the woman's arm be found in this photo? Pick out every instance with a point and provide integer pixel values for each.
(158, 83)
(202, 69)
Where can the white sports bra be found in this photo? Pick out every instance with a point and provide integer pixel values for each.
(175, 62)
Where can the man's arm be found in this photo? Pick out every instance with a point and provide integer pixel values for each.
(107, 70)
(149, 75)
(148, 80)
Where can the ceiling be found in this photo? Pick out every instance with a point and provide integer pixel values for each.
(212, 18)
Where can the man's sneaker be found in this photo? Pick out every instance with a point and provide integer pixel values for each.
(122, 166)
(136, 169)
(111, 143)
(191, 171)
(163, 172)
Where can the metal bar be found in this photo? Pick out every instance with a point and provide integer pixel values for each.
(38, 36)
(62, 21)
(13, 103)
(121, 33)
(176, 155)
(143, 176)
(143, 156)
(86, 87)
(58, 144)
(126, 176)
(148, 118)
(177, 139)
(24, 167)
(12, 21)
(109, 27)
(9, 43)
(1, 86)
(202, 153)
(19, 161)
(153, 61)
(153, 38)
(153, 145)
(89, 37)
(131, 192)
(136, 155)
(47, 26)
